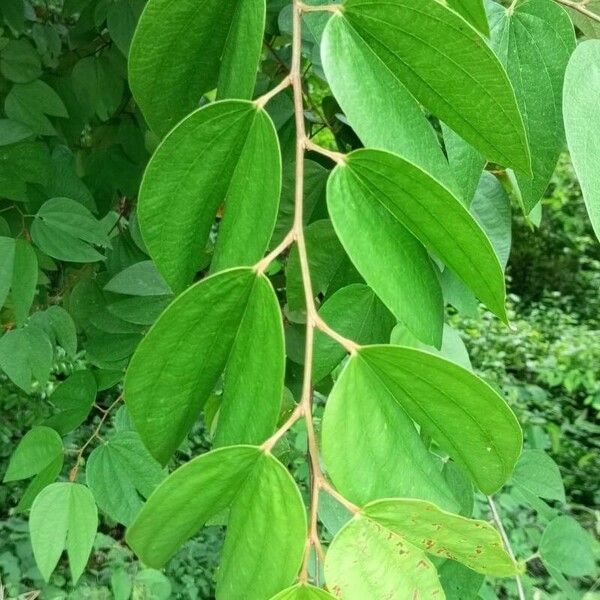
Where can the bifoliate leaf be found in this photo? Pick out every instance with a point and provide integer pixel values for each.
(32, 103)
(473, 11)
(18, 275)
(468, 93)
(181, 193)
(365, 560)
(266, 511)
(382, 112)
(303, 592)
(228, 322)
(567, 547)
(406, 281)
(26, 353)
(582, 122)
(192, 49)
(63, 516)
(465, 416)
(66, 230)
(537, 473)
(356, 313)
(12, 132)
(74, 398)
(140, 279)
(371, 448)
(534, 41)
(475, 544)
(120, 473)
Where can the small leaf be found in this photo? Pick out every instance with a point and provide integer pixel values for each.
(19, 61)
(19, 275)
(12, 132)
(266, 510)
(120, 472)
(63, 516)
(475, 544)
(180, 195)
(68, 231)
(537, 473)
(139, 279)
(228, 322)
(567, 547)
(121, 19)
(371, 448)
(59, 327)
(582, 122)
(227, 39)
(466, 417)
(303, 592)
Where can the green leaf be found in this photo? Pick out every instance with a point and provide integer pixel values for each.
(228, 322)
(468, 93)
(141, 310)
(459, 582)
(473, 11)
(303, 592)
(180, 195)
(365, 560)
(406, 281)
(29, 103)
(226, 38)
(26, 353)
(21, 164)
(266, 511)
(381, 111)
(59, 327)
(567, 547)
(582, 122)
(19, 62)
(491, 208)
(475, 544)
(535, 41)
(463, 414)
(12, 132)
(120, 473)
(356, 313)
(140, 279)
(370, 446)
(19, 275)
(74, 398)
(38, 448)
(68, 231)
(537, 473)
(63, 516)
(121, 19)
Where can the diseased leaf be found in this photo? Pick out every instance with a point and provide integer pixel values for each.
(192, 49)
(468, 93)
(226, 152)
(266, 511)
(229, 322)
(475, 544)
(370, 446)
(534, 41)
(582, 122)
(63, 516)
(466, 417)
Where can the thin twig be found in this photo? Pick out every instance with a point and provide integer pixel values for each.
(282, 85)
(337, 157)
(506, 541)
(580, 7)
(333, 8)
(285, 243)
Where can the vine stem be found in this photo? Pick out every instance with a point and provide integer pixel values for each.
(580, 7)
(504, 536)
(282, 85)
(95, 435)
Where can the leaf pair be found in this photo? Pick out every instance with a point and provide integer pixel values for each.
(266, 524)
(229, 324)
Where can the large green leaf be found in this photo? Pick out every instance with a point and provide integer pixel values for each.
(371, 448)
(365, 560)
(356, 313)
(534, 41)
(457, 76)
(473, 11)
(225, 152)
(266, 512)
(467, 418)
(120, 471)
(63, 516)
(582, 122)
(189, 48)
(228, 322)
(406, 281)
(475, 544)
